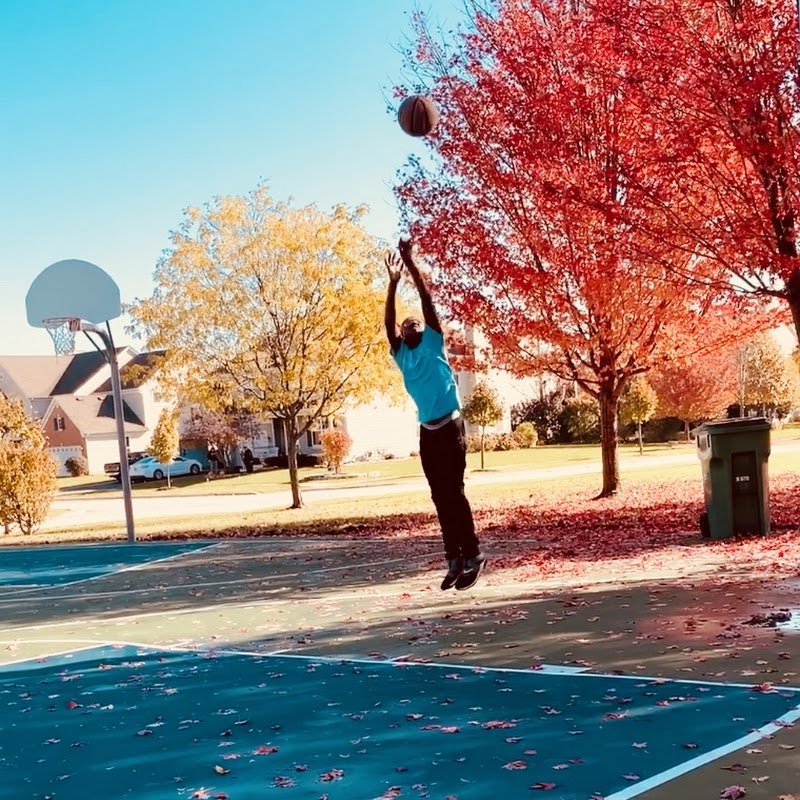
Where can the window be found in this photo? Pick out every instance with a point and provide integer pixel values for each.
(59, 424)
(312, 435)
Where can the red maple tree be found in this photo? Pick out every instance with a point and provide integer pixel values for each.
(734, 127)
(539, 206)
(696, 387)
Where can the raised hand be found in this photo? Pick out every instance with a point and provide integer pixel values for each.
(394, 266)
(406, 248)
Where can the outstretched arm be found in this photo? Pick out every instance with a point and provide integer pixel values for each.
(428, 310)
(394, 268)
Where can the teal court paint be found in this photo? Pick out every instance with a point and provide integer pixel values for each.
(134, 722)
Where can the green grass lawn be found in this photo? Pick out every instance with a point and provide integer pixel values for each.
(390, 470)
(347, 511)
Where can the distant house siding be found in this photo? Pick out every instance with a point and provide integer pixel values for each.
(61, 431)
(382, 429)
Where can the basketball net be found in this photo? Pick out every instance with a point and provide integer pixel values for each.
(62, 331)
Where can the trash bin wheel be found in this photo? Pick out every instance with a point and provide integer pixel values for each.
(705, 527)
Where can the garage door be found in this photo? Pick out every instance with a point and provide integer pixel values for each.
(61, 454)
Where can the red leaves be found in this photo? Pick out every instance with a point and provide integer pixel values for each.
(332, 775)
(544, 786)
(732, 793)
(265, 750)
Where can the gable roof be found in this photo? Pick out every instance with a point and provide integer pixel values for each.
(78, 371)
(137, 371)
(94, 413)
(35, 376)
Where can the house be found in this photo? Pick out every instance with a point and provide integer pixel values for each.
(71, 397)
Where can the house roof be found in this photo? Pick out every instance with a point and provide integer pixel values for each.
(137, 371)
(36, 376)
(46, 376)
(94, 413)
(79, 370)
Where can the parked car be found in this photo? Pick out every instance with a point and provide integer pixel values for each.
(151, 469)
(112, 468)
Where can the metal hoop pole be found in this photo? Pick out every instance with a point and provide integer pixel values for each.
(119, 418)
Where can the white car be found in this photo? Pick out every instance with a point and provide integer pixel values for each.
(151, 469)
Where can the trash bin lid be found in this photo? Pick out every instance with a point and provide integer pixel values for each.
(742, 425)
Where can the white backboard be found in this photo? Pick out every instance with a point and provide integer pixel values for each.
(72, 289)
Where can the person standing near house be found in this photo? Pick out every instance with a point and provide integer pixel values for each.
(247, 460)
(213, 462)
(419, 351)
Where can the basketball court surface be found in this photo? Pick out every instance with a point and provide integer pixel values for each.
(315, 668)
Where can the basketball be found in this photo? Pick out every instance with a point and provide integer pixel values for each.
(417, 115)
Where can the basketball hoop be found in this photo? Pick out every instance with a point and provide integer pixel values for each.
(62, 331)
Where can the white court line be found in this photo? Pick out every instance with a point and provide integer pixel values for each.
(56, 654)
(706, 758)
(212, 584)
(38, 586)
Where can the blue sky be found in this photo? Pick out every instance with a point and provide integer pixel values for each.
(118, 115)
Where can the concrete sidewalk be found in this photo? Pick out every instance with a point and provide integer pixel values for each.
(85, 509)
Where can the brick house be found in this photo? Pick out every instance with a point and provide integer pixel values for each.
(71, 397)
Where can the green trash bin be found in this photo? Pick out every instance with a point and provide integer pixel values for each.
(734, 455)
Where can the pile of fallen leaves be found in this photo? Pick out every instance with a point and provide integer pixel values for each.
(650, 526)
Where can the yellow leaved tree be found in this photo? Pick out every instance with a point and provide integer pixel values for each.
(272, 308)
(27, 471)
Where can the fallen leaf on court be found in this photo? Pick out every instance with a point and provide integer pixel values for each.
(497, 724)
(515, 765)
(639, 745)
(200, 794)
(544, 786)
(282, 782)
(72, 704)
(631, 777)
(220, 770)
(786, 746)
(265, 750)
(332, 775)
(735, 768)
(732, 793)
(762, 779)
(787, 797)
(754, 751)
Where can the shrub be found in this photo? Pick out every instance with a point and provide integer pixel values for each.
(336, 445)
(474, 442)
(28, 482)
(506, 441)
(525, 434)
(77, 466)
(581, 420)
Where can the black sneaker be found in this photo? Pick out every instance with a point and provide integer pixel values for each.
(454, 567)
(471, 572)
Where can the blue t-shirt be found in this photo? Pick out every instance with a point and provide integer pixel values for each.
(428, 376)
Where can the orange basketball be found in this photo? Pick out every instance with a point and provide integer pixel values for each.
(417, 115)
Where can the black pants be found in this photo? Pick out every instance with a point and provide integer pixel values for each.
(444, 459)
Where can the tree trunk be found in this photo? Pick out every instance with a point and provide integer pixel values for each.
(169, 479)
(641, 443)
(291, 452)
(483, 439)
(608, 442)
(793, 298)
(686, 430)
